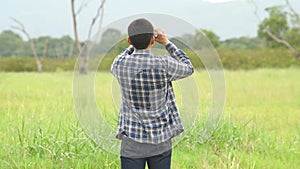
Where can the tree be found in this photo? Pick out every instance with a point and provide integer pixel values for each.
(293, 36)
(83, 60)
(277, 27)
(10, 43)
(276, 23)
(199, 41)
(184, 41)
(42, 45)
(109, 37)
(21, 28)
(242, 43)
(47, 46)
(70, 45)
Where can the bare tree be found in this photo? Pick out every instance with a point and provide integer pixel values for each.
(20, 26)
(83, 60)
(281, 41)
(288, 4)
(74, 17)
(99, 15)
(273, 36)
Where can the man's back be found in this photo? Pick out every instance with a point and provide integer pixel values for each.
(148, 100)
(144, 82)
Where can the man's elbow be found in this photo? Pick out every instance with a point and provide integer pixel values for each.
(191, 71)
(112, 69)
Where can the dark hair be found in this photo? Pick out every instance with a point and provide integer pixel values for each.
(140, 32)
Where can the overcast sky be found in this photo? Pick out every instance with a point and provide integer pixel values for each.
(227, 18)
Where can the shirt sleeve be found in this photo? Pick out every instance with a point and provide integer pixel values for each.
(178, 65)
(119, 58)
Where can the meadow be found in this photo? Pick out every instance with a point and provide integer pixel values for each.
(259, 128)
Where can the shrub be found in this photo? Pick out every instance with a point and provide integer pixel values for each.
(231, 59)
(253, 59)
(28, 64)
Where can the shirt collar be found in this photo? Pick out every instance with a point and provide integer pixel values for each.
(142, 51)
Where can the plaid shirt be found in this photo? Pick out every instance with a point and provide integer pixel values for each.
(149, 113)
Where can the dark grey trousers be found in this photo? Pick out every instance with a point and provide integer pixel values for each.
(161, 161)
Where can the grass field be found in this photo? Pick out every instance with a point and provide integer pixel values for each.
(260, 126)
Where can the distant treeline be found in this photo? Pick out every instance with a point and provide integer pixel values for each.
(12, 44)
(231, 59)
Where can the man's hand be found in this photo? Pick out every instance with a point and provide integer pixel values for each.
(161, 37)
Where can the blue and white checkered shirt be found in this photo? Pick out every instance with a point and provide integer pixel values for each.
(149, 113)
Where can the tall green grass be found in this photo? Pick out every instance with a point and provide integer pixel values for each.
(259, 127)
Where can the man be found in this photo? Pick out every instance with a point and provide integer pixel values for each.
(149, 116)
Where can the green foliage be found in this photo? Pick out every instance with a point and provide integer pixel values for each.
(110, 37)
(231, 59)
(201, 37)
(111, 40)
(214, 38)
(254, 59)
(249, 59)
(57, 47)
(28, 64)
(11, 44)
(242, 43)
(283, 25)
(293, 37)
(277, 23)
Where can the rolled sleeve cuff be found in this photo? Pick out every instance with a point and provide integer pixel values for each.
(171, 47)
